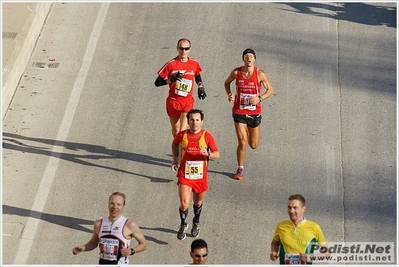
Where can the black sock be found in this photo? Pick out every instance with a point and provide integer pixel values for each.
(197, 213)
(183, 216)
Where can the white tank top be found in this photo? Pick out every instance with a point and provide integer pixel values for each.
(111, 240)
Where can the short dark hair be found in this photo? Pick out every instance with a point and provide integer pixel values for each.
(183, 39)
(198, 243)
(193, 111)
(248, 51)
(298, 197)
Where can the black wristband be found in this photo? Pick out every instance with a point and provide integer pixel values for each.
(133, 251)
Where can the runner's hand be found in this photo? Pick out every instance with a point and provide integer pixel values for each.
(77, 250)
(274, 256)
(201, 93)
(177, 77)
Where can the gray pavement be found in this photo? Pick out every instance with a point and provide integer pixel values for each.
(21, 26)
(95, 124)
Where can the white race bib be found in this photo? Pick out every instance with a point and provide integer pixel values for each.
(293, 259)
(194, 170)
(245, 101)
(183, 87)
(109, 249)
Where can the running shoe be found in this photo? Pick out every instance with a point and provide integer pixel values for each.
(181, 234)
(195, 230)
(238, 175)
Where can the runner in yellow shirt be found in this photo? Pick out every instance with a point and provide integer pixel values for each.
(293, 239)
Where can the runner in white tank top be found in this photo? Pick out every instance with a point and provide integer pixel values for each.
(112, 240)
(113, 235)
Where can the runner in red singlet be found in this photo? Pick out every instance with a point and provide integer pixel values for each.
(247, 109)
(196, 146)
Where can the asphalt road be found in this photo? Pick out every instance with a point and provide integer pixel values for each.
(95, 123)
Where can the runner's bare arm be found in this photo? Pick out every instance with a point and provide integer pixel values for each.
(268, 86)
(174, 157)
(138, 235)
(232, 77)
(93, 242)
(274, 246)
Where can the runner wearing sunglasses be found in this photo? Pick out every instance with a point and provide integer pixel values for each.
(199, 251)
(180, 73)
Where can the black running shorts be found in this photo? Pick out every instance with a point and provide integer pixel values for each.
(252, 121)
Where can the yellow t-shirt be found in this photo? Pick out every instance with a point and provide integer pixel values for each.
(295, 240)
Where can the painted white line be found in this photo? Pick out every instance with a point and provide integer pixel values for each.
(30, 229)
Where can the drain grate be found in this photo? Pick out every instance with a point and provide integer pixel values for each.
(9, 35)
(44, 65)
(53, 65)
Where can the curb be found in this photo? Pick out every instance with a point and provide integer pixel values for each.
(25, 43)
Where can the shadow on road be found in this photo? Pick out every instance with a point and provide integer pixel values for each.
(362, 13)
(159, 229)
(73, 223)
(66, 221)
(14, 142)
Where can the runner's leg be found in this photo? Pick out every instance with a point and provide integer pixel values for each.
(175, 123)
(183, 121)
(197, 206)
(253, 137)
(242, 137)
(184, 195)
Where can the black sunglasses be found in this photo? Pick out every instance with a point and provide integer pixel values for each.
(184, 48)
(199, 255)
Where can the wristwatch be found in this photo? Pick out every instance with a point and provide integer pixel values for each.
(132, 249)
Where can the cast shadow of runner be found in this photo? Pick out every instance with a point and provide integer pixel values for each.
(362, 13)
(14, 142)
(65, 221)
(71, 222)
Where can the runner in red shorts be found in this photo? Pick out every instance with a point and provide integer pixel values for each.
(197, 146)
(180, 73)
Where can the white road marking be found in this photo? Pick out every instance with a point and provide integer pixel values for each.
(29, 231)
